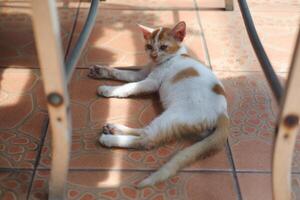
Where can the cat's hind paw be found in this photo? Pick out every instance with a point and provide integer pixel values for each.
(110, 129)
(105, 140)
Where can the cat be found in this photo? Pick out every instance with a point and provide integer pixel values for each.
(193, 98)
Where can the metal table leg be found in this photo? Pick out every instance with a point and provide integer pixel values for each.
(48, 41)
(55, 77)
(287, 131)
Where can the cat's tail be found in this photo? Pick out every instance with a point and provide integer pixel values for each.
(209, 145)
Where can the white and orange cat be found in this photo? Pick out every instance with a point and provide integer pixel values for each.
(192, 96)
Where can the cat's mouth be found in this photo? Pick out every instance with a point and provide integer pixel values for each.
(154, 58)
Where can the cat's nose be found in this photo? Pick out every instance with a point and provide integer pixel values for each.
(153, 55)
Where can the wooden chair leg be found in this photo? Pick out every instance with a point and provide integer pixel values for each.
(49, 46)
(229, 5)
(288, 127)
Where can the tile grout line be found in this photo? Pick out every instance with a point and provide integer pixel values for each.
(219, 9)
(144, 170)
(141, 170)
(5, 169)
(39, 152)
(234, 172)
(202, 37)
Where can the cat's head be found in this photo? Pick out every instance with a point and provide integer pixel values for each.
(163, 43)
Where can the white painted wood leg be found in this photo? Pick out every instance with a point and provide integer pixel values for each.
(229, 5)
(288, 127)
(48, 42)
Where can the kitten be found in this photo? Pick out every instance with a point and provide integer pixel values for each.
(193, 98)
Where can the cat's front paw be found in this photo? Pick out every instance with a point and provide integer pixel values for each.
(106, 91)
(105, 140)
(100, 71)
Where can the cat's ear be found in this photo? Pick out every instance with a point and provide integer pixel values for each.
(146, 31)
(179, 31)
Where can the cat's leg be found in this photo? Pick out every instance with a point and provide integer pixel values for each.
(209, 145)
(145, 86)
(118, 129)
(105, 72)
(124, 141)
(158, 131)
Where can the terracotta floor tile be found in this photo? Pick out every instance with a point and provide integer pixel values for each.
(140, 4)
(117, 41)
(14, 185)
(253, 115)
(120, 185)
(211, 4)
(16, 35)
(230, 48)
(253, 112)
(257, 186)
(256, 5)
(274, 6)
(21, 120)
(90, 113)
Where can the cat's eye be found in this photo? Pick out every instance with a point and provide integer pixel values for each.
(163, 47)
(149, 46)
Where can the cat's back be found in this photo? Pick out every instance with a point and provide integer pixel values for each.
(189, 83)
(186, 69)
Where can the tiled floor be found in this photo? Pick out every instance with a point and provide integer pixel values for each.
(241, 171)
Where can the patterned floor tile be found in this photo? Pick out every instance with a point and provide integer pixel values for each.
(14, 185)
(21, 119)
(253, 113)
(17, 46)
(117, 185)
(230, 48)
(90, 113)
(116, 39)
(256, 186)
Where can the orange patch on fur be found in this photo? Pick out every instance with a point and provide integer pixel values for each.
(173, 48)
(218, 89)
(165, 35)
(165, 32)
(184, 74)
